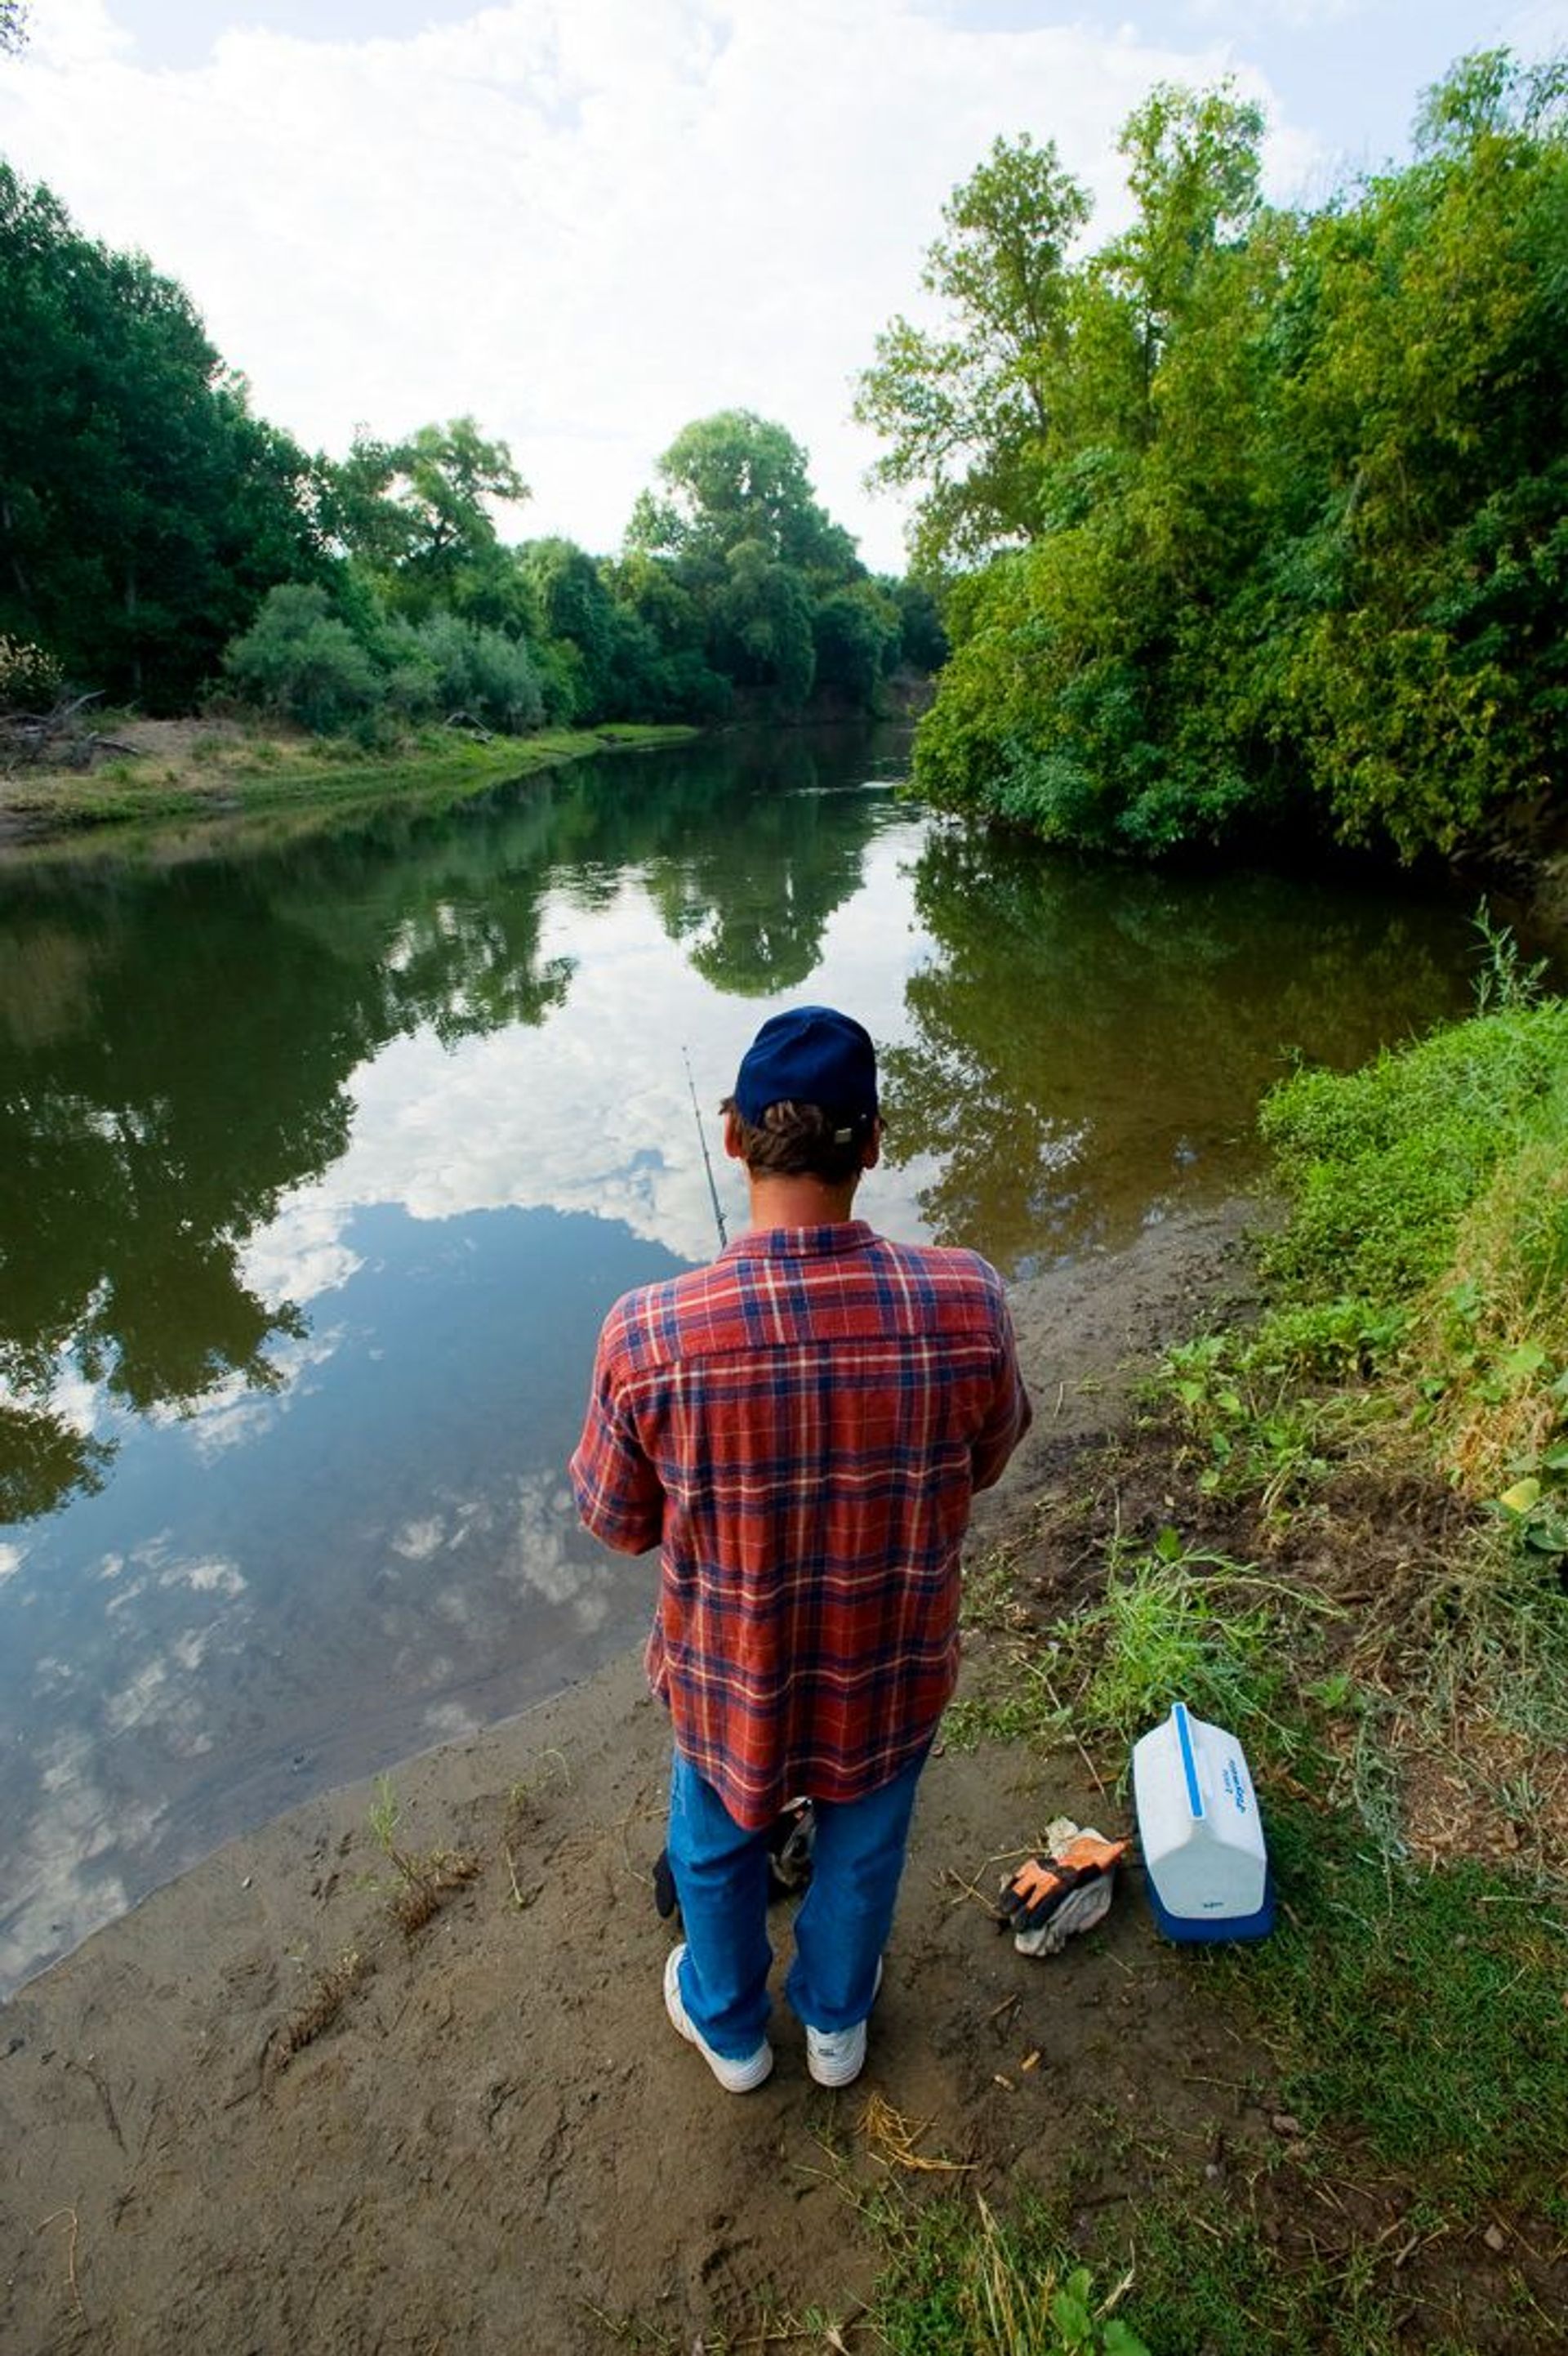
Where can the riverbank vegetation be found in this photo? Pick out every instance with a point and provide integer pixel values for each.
(1342, 1531)
(163, 546)
(1253, 519)
(150, 775)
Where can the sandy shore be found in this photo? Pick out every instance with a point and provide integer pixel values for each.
(272, 2109)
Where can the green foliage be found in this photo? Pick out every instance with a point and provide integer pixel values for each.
(144, 511)
(969, 412)
(1263, 1409)
(1380, 1163)
(922, 641)
(30, 677)
(301, 662)
(1293, 507)
(418, 514)
(963, 2280)
(737, 480)
(1179, 1625)
(739, 575)
(455, 668)
(1422, 1309)
(856, 634)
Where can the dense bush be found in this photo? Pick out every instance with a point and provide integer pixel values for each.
(300, 662)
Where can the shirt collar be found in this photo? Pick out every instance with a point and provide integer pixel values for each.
(801, 1243)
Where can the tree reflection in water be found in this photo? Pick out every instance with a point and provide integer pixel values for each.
(177, 1043)
(1089, 1036)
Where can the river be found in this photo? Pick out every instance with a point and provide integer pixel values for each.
(321, 1161)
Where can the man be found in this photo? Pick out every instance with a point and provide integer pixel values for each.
(800, 1428)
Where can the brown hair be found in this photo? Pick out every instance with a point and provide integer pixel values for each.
(802, 1141)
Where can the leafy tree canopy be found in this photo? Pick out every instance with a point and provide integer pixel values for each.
(143, 509)
(419, 512)
(736, 479)
(967, 410)
(1271, 528)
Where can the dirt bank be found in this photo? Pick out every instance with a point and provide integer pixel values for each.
(265, 2112)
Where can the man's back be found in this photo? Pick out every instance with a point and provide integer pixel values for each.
(801, 1428)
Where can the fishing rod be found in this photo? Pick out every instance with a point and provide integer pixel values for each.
(702, 1140)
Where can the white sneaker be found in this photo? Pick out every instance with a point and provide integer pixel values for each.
(735, 2077)
(835, 2057)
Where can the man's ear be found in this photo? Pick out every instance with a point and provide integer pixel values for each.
(732, 1145)
(871, 1152)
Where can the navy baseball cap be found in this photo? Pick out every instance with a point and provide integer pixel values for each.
(810, 1055)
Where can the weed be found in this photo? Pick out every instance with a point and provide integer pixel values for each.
(330, 1992)
(1210, 2281)
(524, 1792)
(1178, 1623)
(962, 2278)
(427, 1881)
(990, 1602)
(1380, 1163)
(1016, 1702)
(1256, 1433)
(1504, 982)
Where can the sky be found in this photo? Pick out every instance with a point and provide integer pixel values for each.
(586, 222)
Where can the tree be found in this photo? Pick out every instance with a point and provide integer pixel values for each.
(857, 633)
(761, 628)
(731, 479)
(969, 410)
(302, 662)
(750, 550)
(1423, 666)
(1192, 170)
(417, 512)
(1299, 548)
(144, 511)
(13, 27)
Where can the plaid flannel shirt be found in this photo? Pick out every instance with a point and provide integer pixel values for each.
(800, 1428)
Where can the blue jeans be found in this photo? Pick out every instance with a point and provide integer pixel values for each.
(722, 1879)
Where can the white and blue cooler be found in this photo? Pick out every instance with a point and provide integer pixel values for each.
(1202, 1838)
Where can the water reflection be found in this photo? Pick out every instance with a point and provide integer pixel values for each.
(175, 1052)
(319, 1165)
(1089, 1043)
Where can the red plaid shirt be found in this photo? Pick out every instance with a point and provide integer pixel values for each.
(801, 1427)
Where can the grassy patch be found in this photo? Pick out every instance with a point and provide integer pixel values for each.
(1422, 2013)
(962, 2278)
(260, 774)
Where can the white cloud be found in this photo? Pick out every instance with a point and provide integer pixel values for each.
(60, 1884)
(74, 36)
(449, 1721)
(591, 1112)
(1295, 15)
(585, 221)
(297, 1257)
(205, 1579)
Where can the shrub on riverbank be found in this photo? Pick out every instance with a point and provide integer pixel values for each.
(302, 662)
